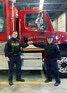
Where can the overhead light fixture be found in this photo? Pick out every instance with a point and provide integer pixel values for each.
(41, 4)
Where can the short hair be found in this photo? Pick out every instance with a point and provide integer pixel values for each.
(49, 36)
(14, 31)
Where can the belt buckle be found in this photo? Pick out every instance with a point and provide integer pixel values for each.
(15, 54)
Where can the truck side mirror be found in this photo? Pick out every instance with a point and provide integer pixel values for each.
(25, 39)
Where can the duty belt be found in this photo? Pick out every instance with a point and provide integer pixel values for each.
(13, 54)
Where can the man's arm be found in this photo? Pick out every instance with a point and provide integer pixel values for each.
(22, 45)
(58, 53)
(6, 51)
(38, 45)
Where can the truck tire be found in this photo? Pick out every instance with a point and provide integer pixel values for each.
(63, 67)
(63, 64)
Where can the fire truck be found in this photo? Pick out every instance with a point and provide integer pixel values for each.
(34, 25)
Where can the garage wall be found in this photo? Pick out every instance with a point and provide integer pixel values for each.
(60, 23)
(55, 24)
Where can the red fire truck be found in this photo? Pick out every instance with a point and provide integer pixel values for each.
(36, 26)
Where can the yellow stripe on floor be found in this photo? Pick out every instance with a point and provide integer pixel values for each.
(32, 82)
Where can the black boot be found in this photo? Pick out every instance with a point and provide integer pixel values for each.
(21, 80)
(57, 84)
(47, 80)
(10, 83)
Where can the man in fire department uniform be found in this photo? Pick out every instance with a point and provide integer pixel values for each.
(12, 54)
(53, 57)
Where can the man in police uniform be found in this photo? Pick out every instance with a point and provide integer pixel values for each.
(53, 57)
(12, 54)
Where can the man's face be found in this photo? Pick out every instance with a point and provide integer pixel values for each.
(14, 34)
(49, 40)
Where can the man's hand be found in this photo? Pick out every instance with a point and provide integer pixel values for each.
(58, 61)
(29, 42)
(7, 59)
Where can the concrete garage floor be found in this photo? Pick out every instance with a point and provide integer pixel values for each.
(34, 83)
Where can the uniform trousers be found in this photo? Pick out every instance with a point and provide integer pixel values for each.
(52, 67)
(14, 60)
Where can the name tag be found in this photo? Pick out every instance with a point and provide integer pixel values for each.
(15, 44)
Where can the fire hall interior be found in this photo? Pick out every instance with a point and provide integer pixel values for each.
(33, 68)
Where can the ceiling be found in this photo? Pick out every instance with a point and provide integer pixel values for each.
(53, 7)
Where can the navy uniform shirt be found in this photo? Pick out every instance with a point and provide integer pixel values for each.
(13, 46)
(52, 50)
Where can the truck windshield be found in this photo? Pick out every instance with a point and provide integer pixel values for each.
(36, 21)
(2, 22)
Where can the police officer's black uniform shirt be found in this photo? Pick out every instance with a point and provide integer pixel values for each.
(52, 50)
(13, 47)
